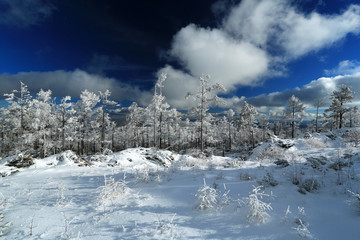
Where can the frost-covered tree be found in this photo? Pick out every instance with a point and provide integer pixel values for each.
(204, 97)
(18, 115)
(67, 121)
(338, 100)
(230, 115)
(207, 198)
(294, 112)
(43, 120)
(258, 209)
(263, 120)
(106, 123)
(353, 116)
(247, 115)
(87, 114)
(317, 104)
(158, 112)
(135, 120)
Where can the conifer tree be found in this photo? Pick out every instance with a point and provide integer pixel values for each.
(204, 97)
(338, 100)
(247, 115)
(294, 112)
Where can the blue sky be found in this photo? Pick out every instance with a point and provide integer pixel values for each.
(260, 50)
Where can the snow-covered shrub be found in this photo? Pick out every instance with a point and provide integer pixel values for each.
(113, 190)
(68, 155)
(98, 158)
(270, 152)
(295, 173)
(190, 161)
(282, 163)
(287, 216)
(245, 176)
(61, 195)
(258, 209)
(225, 199)
(299, 219)
(268, 180)
(66, 233)
(107, 151)
(163, 229)
(356, 197)
(309, 185)
(234, 163)
(21, 161)
(143, 176)
(340, 164)
(207, 198)
(158, 179)
(159, 157)
(352, 136)
(314, 143)
(316, 162)
(196, 153)
(4, 227)
(302, 226)
(302, 230)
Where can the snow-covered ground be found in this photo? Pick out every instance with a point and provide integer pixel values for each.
(147, 194)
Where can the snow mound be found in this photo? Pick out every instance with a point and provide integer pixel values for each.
(142, 158)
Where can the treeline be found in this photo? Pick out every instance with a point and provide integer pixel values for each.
(41, 126)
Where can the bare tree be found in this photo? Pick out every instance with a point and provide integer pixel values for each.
(318, 103)
(294, 110)
(205, 95)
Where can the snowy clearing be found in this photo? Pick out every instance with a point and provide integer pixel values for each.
(312, 192)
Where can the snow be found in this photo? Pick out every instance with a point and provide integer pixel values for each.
(151, 194)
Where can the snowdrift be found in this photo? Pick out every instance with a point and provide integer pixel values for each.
(307, 187)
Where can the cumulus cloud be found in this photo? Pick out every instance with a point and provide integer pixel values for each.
(177, 85)
(27, 13)
(212, 51)
(256, 39)
(344, 67)
(72, 83)
(318, 89)
(278, 23)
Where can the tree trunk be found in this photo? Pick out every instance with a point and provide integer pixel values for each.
(102, 140)
(316, 119)
(160, 131)
(229, 136)
(44, 146)
(202, 110)
(293, 124)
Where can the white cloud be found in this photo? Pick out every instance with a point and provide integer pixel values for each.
(321, 89)
(277, 23)
(63, 83)
(212, 51)
(201, 51)
(235, 103)
(255, 40)
(177, 85)
(344, 67)
(311, 33)
(255, 20)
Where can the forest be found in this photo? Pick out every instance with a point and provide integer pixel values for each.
(43, 125)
